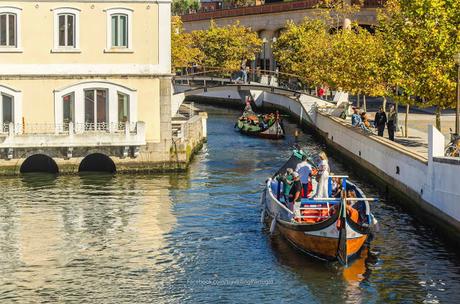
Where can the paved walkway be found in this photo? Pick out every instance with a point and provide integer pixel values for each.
(417, 139)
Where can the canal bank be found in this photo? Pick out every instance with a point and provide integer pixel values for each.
(425, 185)
(122, 152)
(195, 236)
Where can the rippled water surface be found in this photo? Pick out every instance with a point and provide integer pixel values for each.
(196, 237)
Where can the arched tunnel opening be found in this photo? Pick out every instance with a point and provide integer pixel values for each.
(97, 162)
(39, 163)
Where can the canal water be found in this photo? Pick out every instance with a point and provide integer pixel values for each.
(196, 237)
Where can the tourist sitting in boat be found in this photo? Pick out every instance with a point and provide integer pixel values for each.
(336, 187)
(287, 180)
(352, 212)
(296, 191)
(304, 170)
(323, 176)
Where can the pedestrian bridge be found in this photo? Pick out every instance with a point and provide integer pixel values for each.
(279, 90)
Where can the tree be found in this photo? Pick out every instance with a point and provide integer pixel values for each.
(226, 47)
(426, 37)
(181, 7)
(183, 51)
(302, 49)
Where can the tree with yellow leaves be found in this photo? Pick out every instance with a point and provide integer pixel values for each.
(183, 51)
(226, 47)
(424, 36)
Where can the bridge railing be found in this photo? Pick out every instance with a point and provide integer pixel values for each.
(269, 9)
(218, 77)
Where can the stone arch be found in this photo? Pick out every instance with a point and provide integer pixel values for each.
(39, 163)
(97, 162)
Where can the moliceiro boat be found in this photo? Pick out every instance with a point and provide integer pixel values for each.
(265, 126)
(327, 228)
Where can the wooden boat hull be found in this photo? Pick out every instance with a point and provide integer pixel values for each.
(321, 247)
(327, 240)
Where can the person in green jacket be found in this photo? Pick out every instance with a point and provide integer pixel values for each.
(287, 180)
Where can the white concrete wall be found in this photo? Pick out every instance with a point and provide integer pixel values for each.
(435, 182)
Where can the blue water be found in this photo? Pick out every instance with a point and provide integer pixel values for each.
(196, 237)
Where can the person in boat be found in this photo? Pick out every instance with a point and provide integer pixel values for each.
(296, 190)
(352, 212)
(336, 187)
(304, 170)
(323, 176)
(287, 179)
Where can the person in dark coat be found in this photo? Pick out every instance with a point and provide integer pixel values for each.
(391, 123)
(380, 120)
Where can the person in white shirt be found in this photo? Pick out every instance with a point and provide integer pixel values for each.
(304, 170)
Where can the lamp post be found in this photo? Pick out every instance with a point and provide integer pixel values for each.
(457, 112)
(271, 52)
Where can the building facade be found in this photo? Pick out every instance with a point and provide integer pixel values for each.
(81, 77)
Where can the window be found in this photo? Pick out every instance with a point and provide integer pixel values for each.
(123, 107)
(66, 30)
(10, 29)
(68, 107)
(94, 106)
(7, 114)
(119, 30)
(96, 117)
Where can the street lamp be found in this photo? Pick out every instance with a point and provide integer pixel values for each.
(457, 112)
(271, 52)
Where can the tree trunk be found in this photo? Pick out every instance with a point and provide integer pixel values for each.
(364, 103)
(406, 132)
(357, 100)
(397, 116)
(438, 118)
(384, 104)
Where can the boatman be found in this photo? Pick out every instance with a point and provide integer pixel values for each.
(296, 190)
(304, 170)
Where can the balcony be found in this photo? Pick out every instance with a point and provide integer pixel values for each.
(41, 135)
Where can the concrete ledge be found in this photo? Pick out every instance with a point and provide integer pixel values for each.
(447, 160)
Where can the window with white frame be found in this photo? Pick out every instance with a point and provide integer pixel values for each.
(66, 29)
(10, 28)
(96, 105)
(10, 107)
(119, 29)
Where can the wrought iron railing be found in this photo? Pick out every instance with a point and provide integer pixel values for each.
(67, 128)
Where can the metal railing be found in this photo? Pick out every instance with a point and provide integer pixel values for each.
(67, 128)
(218, 77)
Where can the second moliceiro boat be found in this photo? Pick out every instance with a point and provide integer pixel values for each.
(265, 126)
(326, 228)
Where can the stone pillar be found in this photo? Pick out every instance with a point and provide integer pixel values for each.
(165, 111)
(266, 51)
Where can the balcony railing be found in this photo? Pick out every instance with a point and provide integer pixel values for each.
(68, 128)
(72, 135)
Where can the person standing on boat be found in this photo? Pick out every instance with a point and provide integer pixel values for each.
(287, 180)
(304, 170)
(323, 176)
(296, 190)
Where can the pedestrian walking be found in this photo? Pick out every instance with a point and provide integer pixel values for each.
(380, 120)
(391, 124)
